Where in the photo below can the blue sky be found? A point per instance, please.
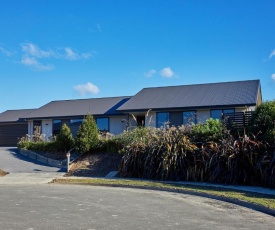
(70, 49)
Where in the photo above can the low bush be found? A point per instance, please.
(211, 130)
(37, 146)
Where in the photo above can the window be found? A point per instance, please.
(189, 117)
(56, 126)
(217, 113)
(37, 127)
(162, 119)
(103, 124)
(76, 121)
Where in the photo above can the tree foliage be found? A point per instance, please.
(263, 121)
(87, 135)
(64, 140)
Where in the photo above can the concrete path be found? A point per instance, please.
(23, 170)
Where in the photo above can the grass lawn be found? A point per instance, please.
(255, 198)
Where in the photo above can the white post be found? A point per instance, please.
(68, 161)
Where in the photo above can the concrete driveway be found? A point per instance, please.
(23, 170)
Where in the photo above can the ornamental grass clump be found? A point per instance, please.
(157, 155)
(169, 154)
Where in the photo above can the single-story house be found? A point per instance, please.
(192, 103)
(49, 118)
(156, 106)
(12, 126)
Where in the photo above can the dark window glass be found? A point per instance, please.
(189, 117)
(162, 119)
(37, 127)
(76, 121)
(56, 126)
(228, 111)
(217, 113)
(103, 124)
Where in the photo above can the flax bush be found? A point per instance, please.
(170, 154)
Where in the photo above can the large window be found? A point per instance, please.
(56, 126)
(103, 124)
(162, 119)
(217, 113)
(37, 127)
(189, 117)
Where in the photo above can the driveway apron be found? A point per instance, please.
(23, 170)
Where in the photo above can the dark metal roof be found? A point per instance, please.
(14, 115)
(81, 107)
(238, 93)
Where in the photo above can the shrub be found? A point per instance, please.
(263, 121)
(64, 140)
(211, 130)
(87, 135)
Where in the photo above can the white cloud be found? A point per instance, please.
(272, 54)
(166, 72)
(33, 55)
(87, 88)
(6, 52)
(32, 50)
(273, 76)
(34, 64)
(72, 55)
(150, 73)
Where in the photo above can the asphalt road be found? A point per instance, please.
(87, 207)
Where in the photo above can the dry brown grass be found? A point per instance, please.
(3, 173)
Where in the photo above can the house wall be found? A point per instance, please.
(30, 128)
(116, 126)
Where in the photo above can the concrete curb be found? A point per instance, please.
(51, 162)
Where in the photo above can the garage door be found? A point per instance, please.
(10, 133)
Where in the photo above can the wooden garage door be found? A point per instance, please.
(9, 133)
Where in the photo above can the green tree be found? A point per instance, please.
(263, 121)
(64, 140)
(87, 135)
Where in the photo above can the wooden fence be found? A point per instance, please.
(238, 120)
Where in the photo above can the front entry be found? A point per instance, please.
(141, 120)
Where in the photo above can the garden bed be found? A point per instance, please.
(95, 165)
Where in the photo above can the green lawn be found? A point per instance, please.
(255, 198)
